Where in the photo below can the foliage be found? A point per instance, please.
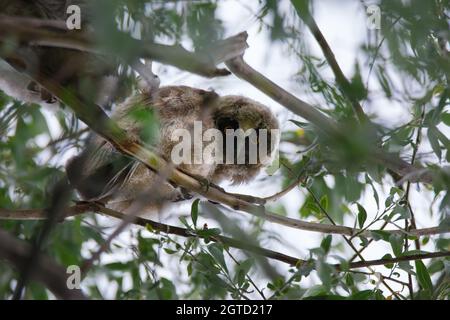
(405, 63)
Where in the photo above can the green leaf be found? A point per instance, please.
(324, 202)
(396, 190)
(278, 208)
(242, 270)
(37, 291)
(194, 211)
(414, 252)
(216, 251)
(349, 280)
(380, 235)
(39, 124)
(445, 117)
(438, 89)
(406, 266)
(357, 88)
(402, 211)
(274, 166)
(445, 223)
(326, 243)
(442, 138)
(324, 271)
(388, 201)
(384, 82)
(206, 233)
(299, 124)
(375, 193)
(184, 222)
(388, 265)
(362, 295)
(170, 251)
(434, 142)
(326, 297)
(167, 289)
(396, 241)
(310, 208)
(316, 290)
(362, 215)
(117, 266)
(364, 241)
(423, 276)
(189, 268)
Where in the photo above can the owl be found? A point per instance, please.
(102, 174)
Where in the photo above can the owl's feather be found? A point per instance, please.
(118, 180)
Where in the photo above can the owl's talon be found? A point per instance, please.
(182, 194)
(33, 87)
(186, 194)
(204, 184)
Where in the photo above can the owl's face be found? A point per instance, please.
(237, 112)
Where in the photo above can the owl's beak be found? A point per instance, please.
(246, 125)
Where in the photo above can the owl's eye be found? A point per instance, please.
(227, 123)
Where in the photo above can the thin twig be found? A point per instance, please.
(261, 293)
(165, 228)
(349, 242)
(258, 211)
(406, 198)
(202, 63)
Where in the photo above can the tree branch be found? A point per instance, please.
(288, 100)
(39, 214)
(51, 34)
(413, 257)
(183, 232)
(45, 270)
(168, 229)
(33, 214)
